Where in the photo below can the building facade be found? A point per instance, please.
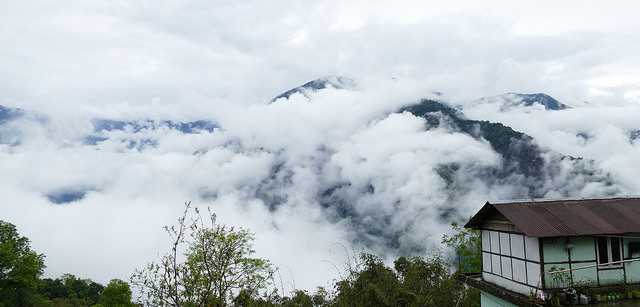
(534, 250)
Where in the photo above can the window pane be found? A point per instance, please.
(603, 256)
(505, 244)
(486, 246)
(615, 249)
(495, 242)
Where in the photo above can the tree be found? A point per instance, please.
(466, 243)
(116, 294)
(300, 298)
(427, 282)
(69, 290)
(82, 289)
(321, 297)
(207, 264)
(20, 268)
(413, 281)
(53, 288)
(370, 283)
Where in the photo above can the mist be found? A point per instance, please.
(316, 176)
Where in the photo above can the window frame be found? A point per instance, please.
(609, 253)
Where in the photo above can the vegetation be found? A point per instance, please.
(210, 264)
(207, 264)
(21, 284)
(20, 267)
(116, 294)
(467, 245)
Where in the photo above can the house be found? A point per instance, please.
(548, 252)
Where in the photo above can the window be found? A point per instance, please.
(603, 253)
(634, 249)
(609, 250)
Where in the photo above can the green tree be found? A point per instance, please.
(84, 289)
(53, 288)
(300, 298)
(217, 263)
(20, 268)
(427, 282)
(369, 283)
(466, 243)
(321, 297)
(116, 294)
(69, 290)
(413, 281)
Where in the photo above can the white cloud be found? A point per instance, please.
(225, 60)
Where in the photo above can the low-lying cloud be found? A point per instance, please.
(314, 176)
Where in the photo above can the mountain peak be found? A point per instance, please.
(335, 82)
(543, 99)
(510, 100)
(7, 114)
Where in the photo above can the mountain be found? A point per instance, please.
(137, 134)
(9, 135)
(65, 196)
(102, 125)
(357, 186)
(521, 154)
(525, 170)
(336, 82)
(510, 100)
(634, 135)
(103, 129)
(8, 114)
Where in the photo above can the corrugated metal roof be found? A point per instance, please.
(555, 218)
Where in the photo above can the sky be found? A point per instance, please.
(224, 60)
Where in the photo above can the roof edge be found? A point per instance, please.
(475, 220)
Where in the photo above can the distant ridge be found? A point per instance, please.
(510, 100)
(8, 114)
(337, 82)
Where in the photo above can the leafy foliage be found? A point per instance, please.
(70, 291)
(467, 244)
(211, 264)
(116, 294)
(413, 281)
(217, 262)
(21, 285)
(20, 267)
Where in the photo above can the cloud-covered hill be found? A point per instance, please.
(381, 166)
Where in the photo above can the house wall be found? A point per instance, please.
(583, 254)
(632, 269)
(557, 257)
(511, 260)
(488, 300)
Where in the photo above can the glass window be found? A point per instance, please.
(609, 250)
(603, 253)
(615, 250)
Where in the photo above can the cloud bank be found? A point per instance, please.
(310, 174)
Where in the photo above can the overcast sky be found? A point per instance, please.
(224, 60)
(124, 55)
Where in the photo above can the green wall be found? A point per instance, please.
(488, 300)
(583, 254)
(611, 277)
(553, 250)
(633, 272)
(585, 276)
(558, 280)
(583, 249)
